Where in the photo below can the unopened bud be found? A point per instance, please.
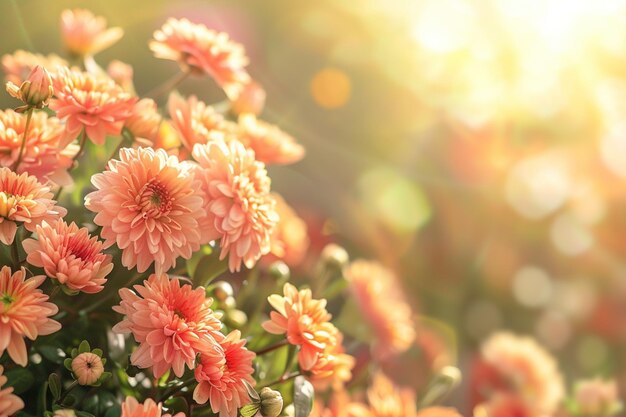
(35, 91)
(251, 100)
(222, 290)
(88, 368)
(335, 256)
(235, 319)
(228, 303)
(271, 402)
(279, 271)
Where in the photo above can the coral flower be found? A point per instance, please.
(239, 206)
(221, 379)
(438, 412)
(122, 74)
(132, 408)
(171, 323)
(333, 367)
(522, 367)
(43, 156)
(24, 312)
(376, 289)
(70, 255)
(147, 204)
(24, 200)
(304, 320)
(387, 400)
(596, 397)
(17, 66)
(270, 144)
(9, 402)
(290, 239)
(339, 405)
(144, 120)
(88, 368)
(201, 50)
(507, 405)
(95, 104)
(86, 34)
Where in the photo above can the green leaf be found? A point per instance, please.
(54, 383)
(176, 405)
(251, 391)
(84, 414)
(249, 410)
(52, 353)
(192, 263)
(114, 411)
(209, 268)
(84, 347)
(21, 379)
(303, 393)
(98, 352)
(68, 364)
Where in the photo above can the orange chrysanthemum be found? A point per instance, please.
(305, 322)
(133, 408)
(144, 120)
(26, 201)
(9, 402)
(333, 367)
(43, 156)
(290, 239)
(387, 400)
(24, 312)
(270, 144)
(375, 289)
(339, 405)
(507, 405)
(122, 74)
(240, 210)
(201, 50)
(86, 34)
(70, 255)
(18, 65)
(95, 104)
(171, 323)
(221, 378)
(147, 203)
(438, 412)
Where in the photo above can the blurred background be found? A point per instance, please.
(478, 148)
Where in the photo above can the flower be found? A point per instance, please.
(171, 323)
(518, 365)
(222, 379)
(144, 119)
(334, 366)
(43, 155)
(595, 397)
(35, 91)
(70, 255)
(507, 405)
(387, 400)
(270, 144)
(132, 408)
(251, 100)
(146, 203)
(376, 289)
(240, 209)
(17, 66)
(304, 320)
(88, 368)
(9, 402)
(290, 239)
(86, 34)
(201, 50)
(24, 200)
(339, 405)
(24, 312)
(122, 74)
(95, 104)
(438, 412)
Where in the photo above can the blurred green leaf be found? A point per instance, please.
(52, 353)
(21, 379)
(176, 405)
(114, 411)
(303, 393)
(54, 383)
(192, 263)
(84, 347)
(209, 268)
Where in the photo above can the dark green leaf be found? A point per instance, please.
(68, 364)
(84, 347)
(54, 383)
(176, 405)
(302, 396)
(21, 379)
(84, 414)
(114, 411)
(192, 263)
(98, 352)
(52, 353)
(209, 268)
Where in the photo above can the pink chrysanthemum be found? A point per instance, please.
(18, 65)
(238, 201)
(122, 74)
(133, 408)
(24, 312)
(147, 203)
(270, 144)
(201, 50)
(597, 397)
(86, 101)
(508, 405)
(70, 255)
(43, 157)
(171, 323)
(221, 378)
(9, 402)
(86, 34)
(24, 200)
(290, 239)
(375, 289)
(304, 321)
(144, 120)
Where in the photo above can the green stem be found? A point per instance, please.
(284, 378)
(66, 392)
(20, 155)
(168, 85)
(15, 254)
(271, 348)
(83, 143)
(173, 390)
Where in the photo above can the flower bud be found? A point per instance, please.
(222, 290)
(35, 91)
(251, 100)
(235, 319)
(68, 412)
(334, 256)
(88, 368)
(279, 271)
(271, 402)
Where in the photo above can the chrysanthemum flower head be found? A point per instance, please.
(122, 74)
(43, 156)
(339, 405)
(9, 402)
(290, 239)
(221, 378)
(24, 312)
(376, 289)
(237, 197)
(438, 412)
(90, 102)
(146, 203)
(507, 405)
(333, 367)
(88, 368)
(26, 201)
(305, 322)
(144, 120)
(86, 34)
(270, 144)
(133, 408)
(597, 397)
(387, 400)
(171, 323)
(201, 50)
(18, 65)
(251, 100)
(70, 255)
